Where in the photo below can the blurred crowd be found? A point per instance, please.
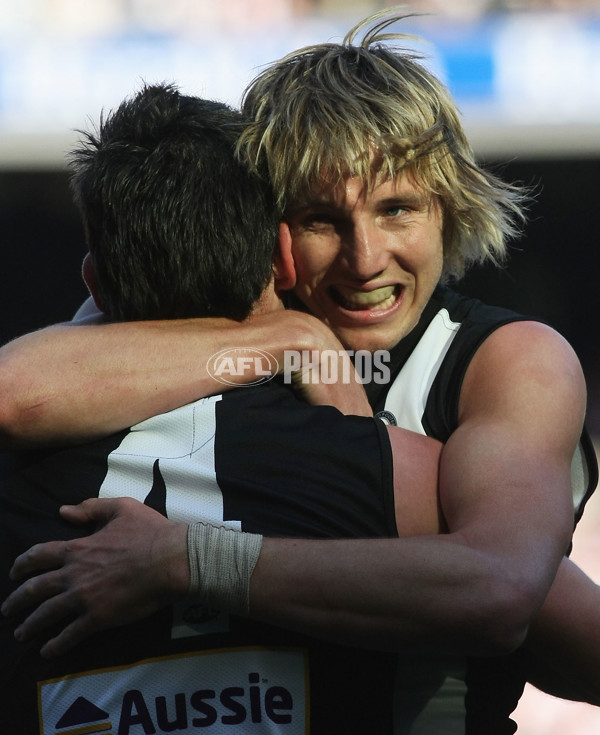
(114, 16)
(478, 8)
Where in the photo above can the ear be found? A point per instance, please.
(88, 271)
(283, 265)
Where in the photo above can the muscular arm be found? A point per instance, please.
(505, 493)
(76, 382)
(79, 382)
(144, 561)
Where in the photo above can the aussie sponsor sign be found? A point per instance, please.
(242, 690)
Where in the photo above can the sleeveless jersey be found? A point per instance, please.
(455, 695)
(187, 669)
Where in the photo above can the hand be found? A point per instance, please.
(132, 566)
(329, 379)
(318, 366)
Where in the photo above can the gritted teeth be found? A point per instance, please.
(379, 298)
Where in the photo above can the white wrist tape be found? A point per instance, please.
(221, 563)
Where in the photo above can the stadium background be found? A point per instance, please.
(526, 76)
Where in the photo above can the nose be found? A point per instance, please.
(365, 252)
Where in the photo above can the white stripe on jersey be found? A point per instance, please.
(183, 442)
(407, 397)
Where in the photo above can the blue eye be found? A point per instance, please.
(395, 210)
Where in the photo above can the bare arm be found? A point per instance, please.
(138, 560)
(505, 494)
(564, 638)
(474, 589)
(143, 558)
(76, 382)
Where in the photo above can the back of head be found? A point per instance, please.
(363, 108)
(176, 225)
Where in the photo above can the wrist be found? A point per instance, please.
(171, 551)
(220, 562)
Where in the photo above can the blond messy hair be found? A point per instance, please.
(367, 109)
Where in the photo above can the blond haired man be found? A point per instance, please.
(385, 203)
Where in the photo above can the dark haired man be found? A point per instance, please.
(157, 187)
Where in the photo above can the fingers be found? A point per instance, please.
(92, 509)
(50, 613)
(54, 605)
(48, 555)
(72, 594)
(33, 592)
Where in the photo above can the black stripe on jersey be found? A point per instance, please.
(286, 468)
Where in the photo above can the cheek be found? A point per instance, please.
(310, 262)
(431, 256)
(433, 271)
(438, 262)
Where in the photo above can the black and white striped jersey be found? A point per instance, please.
(257, 459)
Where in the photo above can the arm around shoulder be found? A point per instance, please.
(77, 382)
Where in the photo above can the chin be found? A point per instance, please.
(365, 339)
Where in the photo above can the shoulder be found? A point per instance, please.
(459, 328)
(526, 345)
(524, 364)
(476, 322)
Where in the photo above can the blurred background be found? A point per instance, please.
(525, 74)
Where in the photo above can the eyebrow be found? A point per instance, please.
(311, 204)
(416, 199)
(408, 198)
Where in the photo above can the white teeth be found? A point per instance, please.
(380, 298)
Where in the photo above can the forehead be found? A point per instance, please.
(352, 191)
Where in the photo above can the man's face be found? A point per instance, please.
(367, 261)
